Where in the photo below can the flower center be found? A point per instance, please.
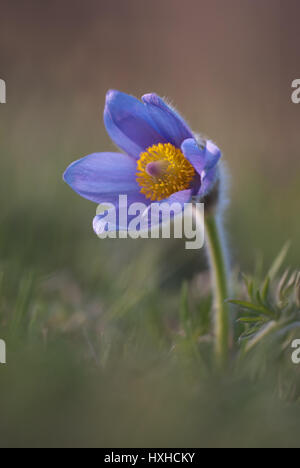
(163, 170)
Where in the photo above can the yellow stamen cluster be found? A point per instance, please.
(175, 172)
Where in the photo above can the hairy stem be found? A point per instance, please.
(219, 273)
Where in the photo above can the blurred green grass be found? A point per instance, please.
(98, 353)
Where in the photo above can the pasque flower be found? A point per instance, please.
(162, 160)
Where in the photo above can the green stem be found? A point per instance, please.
(218, 265)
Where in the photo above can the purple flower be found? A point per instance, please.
(162, 159)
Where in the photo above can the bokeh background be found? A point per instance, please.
(78, 302)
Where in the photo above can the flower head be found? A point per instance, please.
(163, 170)
(162, 159)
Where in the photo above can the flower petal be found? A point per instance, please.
(194, 154)
(182, 197)
(202, 158)
(116, 218)
(213, 154)
(177, 199)
(208, 180)
(129, 124)
(170, 124)
(102, 177)
(111, 221)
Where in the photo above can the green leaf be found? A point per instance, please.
(249, 285)
(251, 319)
(281, 284)
(265, 289)
(248, 334)
(253, 307)
(278, 261)
(259, 298)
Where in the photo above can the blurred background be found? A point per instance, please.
(89, 323)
